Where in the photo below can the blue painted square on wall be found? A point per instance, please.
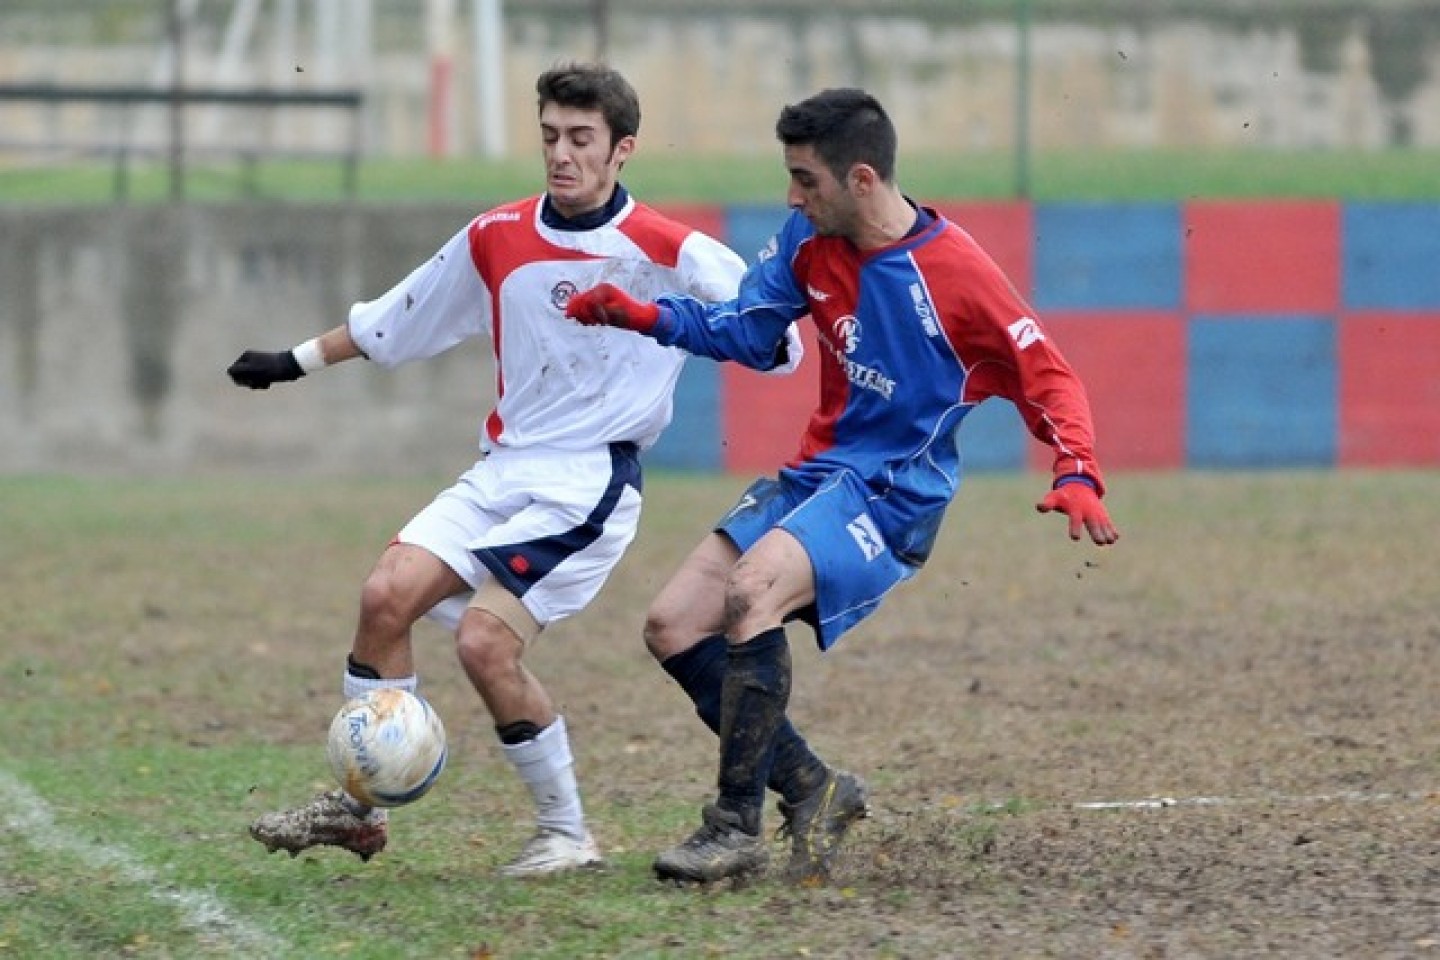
(993, 438)
(1262, 392)
(1107, 255)
(692, 441)
(749, 227)
(1391, 256)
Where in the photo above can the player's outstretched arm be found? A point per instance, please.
(258, 369)
(1076, 497)
(608, 305)
(748, 330)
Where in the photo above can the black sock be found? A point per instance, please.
(753, 701)
(796, 771)
(361, 670)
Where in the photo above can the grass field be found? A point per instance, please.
(661, 176)
(1261, 649)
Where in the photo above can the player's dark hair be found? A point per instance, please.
(845, 126)
(593, 86)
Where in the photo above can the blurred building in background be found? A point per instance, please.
(1211, 333)
(455, 77)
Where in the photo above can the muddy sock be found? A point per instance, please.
(796, 771)
(753, 700)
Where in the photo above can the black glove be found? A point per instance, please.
(258, 369)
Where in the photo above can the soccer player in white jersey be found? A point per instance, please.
(529, 534)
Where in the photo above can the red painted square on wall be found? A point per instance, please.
(1133, 365)
(763, 415)
(1005, 229)
(1389, 389)
(1262, 256)
(708, 218)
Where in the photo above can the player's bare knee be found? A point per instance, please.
(381, 605)
(738, 604)
(662, 635)
(487, 648)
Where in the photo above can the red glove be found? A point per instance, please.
(608, 305)
(1079, 501)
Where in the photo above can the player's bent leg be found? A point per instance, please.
(330, 819)
(405, 582)
(533, 737)
(491, 653)
(694, 600)
(700, 671)
(691, 605)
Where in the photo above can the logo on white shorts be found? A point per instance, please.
(867, 538)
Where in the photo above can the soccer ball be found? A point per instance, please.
(387, 747)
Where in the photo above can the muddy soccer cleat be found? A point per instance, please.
(550, 851)
(327, 820)
(721, 848)
(817, 824)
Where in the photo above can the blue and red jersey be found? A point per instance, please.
(912, 336)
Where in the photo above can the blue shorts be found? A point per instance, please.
(854, 567)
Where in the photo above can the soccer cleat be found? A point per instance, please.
(552, 852)
(817, 824)
(721, 848)
(326, 820)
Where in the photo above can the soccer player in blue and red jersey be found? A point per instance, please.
(916, 326)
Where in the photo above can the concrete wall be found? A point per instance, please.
(116, 328)
(1210, 334)
(713, 79)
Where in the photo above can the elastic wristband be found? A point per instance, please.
(663, 329)
(309, 356)
(1075, 478)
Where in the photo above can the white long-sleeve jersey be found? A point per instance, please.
(508, 275)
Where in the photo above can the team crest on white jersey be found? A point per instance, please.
(1026, 332)
(561, 293)
(847, 332)
(867, 537)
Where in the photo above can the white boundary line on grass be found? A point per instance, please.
(29, 817)
(1164, 803)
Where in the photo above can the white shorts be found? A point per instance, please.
(548, 526)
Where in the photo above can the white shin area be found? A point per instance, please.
(547, 768)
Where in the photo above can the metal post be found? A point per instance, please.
(122, 157)
(439, 43)
(1022, 100)
(601, 12)
(489, 25)
(176, 29)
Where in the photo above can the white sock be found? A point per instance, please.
(547, 768)
(357, 686)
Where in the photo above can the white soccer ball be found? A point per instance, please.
(387, 747)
